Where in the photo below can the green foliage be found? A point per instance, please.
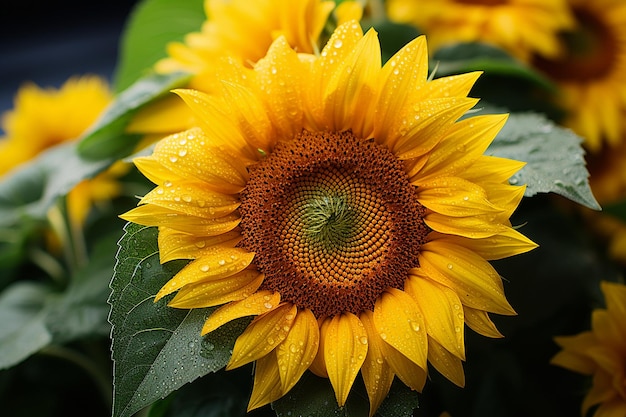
(554, 156)
(107, 137)
(36, 315)
(150, 27)
(314, 397)
(156, 349)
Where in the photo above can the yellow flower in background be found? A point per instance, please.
(346, 207)
(521, 27)
(42, 118)
(243, 31)
(591, 73)
(601, 352)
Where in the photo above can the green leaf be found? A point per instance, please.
(82, 310)
(156, 349)
(22, 328)
(314, 397)
(222, 394)
(32, 189)
(554, 156)
(150, 27)
(465, 57)
(107, 138)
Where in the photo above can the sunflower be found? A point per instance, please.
(42, 118)
(591, 73)
(242, 31)
(346, 207)
(601, 352)
(521, 27)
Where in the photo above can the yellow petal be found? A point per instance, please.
(352, 88)
(341, 43)
(443, 313)
(214, 115)
(149, 215)
(296, 353)
(192, 198)
(345, 348)
(165, 116)
(615, 297)
(318, 366)
(400, 323)
(480, 322)
(492, 169)
(403, 72)
(421, 132)
(474, 279)
(251, 116)
(475, 227)
(154, 171)
(266, 382)
(446, 363)
(412, 375)
(377, 374)
(502, 245)
(280, 76)
(258, 303)
(178, 245)
(188, 154)
(465, 142)
(262, 335)
(216, 265)
(456, 197)
(574, 362)
(216, 292)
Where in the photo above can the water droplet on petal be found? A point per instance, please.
(173, 158)
(450, 266)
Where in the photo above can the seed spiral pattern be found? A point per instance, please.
(333, 221)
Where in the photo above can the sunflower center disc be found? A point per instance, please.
(333, 221)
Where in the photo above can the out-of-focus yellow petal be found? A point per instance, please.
(377, 374)
(216, 265)
(262, 335)
(258, 303)
(400, 323)
(297, 351)
(345, 349)
(164, 116)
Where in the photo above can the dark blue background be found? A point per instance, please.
(49, 41)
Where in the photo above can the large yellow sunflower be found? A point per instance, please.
(42, 118)
(522, 27)
(243, 31)
(592, 72)
(601, 352)
(346, 207)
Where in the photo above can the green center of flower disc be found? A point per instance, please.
(590, 51)
(333, 221)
